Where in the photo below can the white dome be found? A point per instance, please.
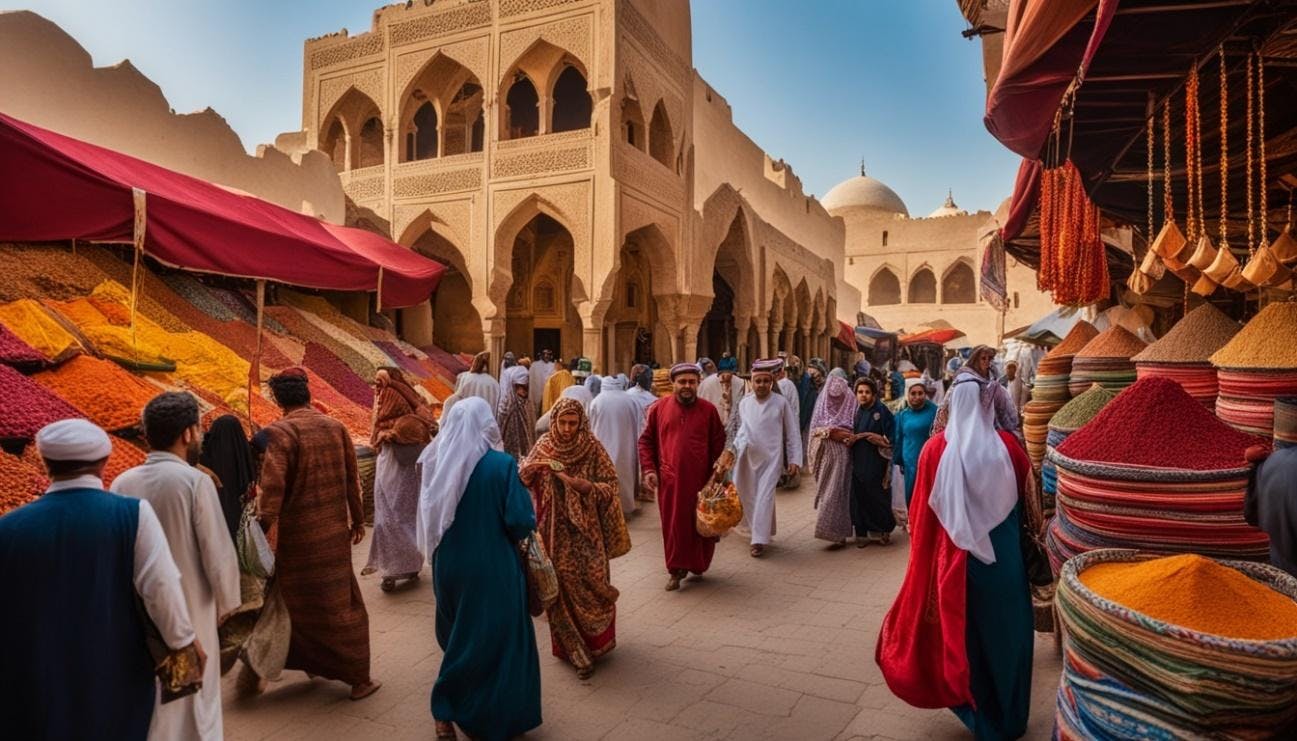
(863, 191)
(948, 208)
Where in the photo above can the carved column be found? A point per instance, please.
(346, 151)
(544, 107)
(691, 341)
(763, 338)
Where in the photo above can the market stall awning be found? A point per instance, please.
(932, 337)
(846, 336)
(54, 187)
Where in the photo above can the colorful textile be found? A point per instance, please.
(581, 532)
(310, 492)
(768, 365)
(489, 682)
(681, 443)
(1285, 422)
(517, 422)
(554, 387)
(830, 463)
(400, 414)
(679, 368)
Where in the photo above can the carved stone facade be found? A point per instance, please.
(553, 154)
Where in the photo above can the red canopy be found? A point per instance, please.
(54, 187)
(846, 335)
(933, 336)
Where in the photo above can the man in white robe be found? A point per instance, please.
(714, 389)
(541, 370)
(616, 420)
(787, 389)
(510, 360)
(765, 435)
(641, 378)
(189, 510)
(477, 381)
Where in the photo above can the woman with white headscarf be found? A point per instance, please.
(473, 510)
(960, 632)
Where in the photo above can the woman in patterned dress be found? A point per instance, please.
(830, 460)
(574, 487)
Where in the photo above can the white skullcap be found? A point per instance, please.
(73, 440)
(912, 382)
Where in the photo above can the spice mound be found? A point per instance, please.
(1115, 342)
(111, 397)
(1156, 423)
(15, 352)
(1193, 339)
(20, 482)
(1268, 341)
(25, 406)
(1081, 409)
(1197, 593)
(1079, 336)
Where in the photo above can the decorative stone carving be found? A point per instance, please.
(638, 171)
(359, 47)
(572, 35)
(569, 201)
(548, 140)
(369, 82)
(471, 53)
(643, 33)
(441, 23)
(438, 164)
(364, 189)
(543, 160)
(452, 217)
(449, 181)
(510, 8)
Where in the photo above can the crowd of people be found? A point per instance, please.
(221, 547)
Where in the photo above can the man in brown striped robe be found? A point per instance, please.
(310, 501)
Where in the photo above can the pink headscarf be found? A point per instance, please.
(836, 405)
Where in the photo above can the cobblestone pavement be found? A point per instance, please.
(774, 648)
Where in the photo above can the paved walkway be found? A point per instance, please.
(773, 648)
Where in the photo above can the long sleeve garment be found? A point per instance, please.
(481, 385)
(190, 513)
(788, 390)
(871, 500)
(75, 561)
(311, 490)
(913, 428)
(616, 420)
(681, 443)
(489, 682)
(538, 374)
(713, 389)
(767, 436)
(1271, 504)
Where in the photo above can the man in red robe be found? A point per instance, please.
(682, 439)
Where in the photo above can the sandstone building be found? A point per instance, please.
(587, 186)
(914, 270)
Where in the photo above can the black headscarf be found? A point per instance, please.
(226, 452)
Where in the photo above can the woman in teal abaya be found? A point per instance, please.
(473, 511)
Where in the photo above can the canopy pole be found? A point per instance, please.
(380, 289)
(254, 371)
(141, 219)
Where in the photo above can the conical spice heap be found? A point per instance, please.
(1257, 366)
(1184, 353)
(1050, 390)
(1106, 360)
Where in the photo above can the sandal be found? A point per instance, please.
(361, 691)
(585, 672)
(836, 546)
(757, 551)
(673, 583)
(861, 542)
(388, 584)
(445, 730)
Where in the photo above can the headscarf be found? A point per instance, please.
(818, 364)
(975, 487)
(467, 432)
(594, 384)
(644, 379)
(399, 409)
(227, 453)
(479, 362)
(728, 363)
(613, 383)
(573, 451)
(516, 419)
(517, 375)
(836, 405)
(840, 373)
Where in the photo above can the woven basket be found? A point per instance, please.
(1126, 670)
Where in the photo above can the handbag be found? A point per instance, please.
(255, 556)
(179, 672)
(542, 581)
(719, 507)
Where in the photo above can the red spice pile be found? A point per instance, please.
(25, 406)
(20, 482)
(15, 352)
(337, 374)
(1156, 423)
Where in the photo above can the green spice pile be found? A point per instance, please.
(1081, 409)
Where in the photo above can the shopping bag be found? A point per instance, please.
(255, 556)
(719, 508)
(266, 649)
(542, 582)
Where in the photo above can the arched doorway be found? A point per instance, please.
(538, 306)
(958, 286)
(884, 288)
(923, 287)
(352, 132)
(731, 289)
(572, 104)
(456, 325)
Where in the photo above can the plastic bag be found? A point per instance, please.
(719, 508)
(255, 556)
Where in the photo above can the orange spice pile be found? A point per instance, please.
(1197, 593)
(103, 391)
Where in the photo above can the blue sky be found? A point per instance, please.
(820, 83)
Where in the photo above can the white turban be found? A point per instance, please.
(73, 440)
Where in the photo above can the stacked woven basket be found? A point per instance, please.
(1184, 353)
(1256, 367)
(1153, 470)
(1106, 360)
(1050, 391)
(1074, 415)
(1129, 675)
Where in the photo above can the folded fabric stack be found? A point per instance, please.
(1154, 470)
(1127, 674)
(1050, 392)
(1256, 367)
(1184, 353)
(1074, 415)
(662, 382)
(1106, 360)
